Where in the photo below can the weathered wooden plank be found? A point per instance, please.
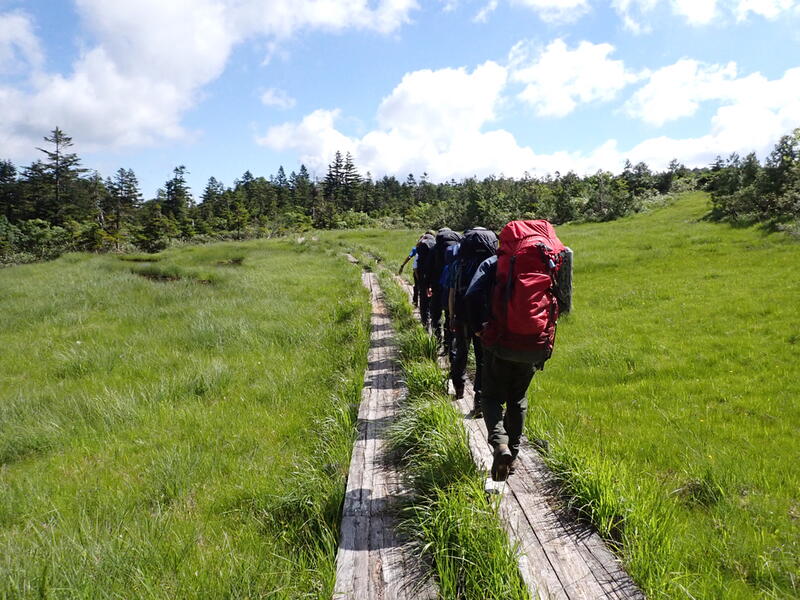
(372, 560)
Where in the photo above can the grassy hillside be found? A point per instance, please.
(671, 402)
(177, 425)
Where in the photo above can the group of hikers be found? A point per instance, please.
(502, 297)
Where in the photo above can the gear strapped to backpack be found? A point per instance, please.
(527, 298)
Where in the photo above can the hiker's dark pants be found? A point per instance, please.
(505, 383)
(416, 289)
(462, 337)
(437, 307)
(424, 303)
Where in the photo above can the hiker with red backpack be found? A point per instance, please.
(477, 245)
(513, 302)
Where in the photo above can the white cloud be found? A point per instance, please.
(769, 9)
(150, 61)
(439, 122)
(558, 79)
(19, 47)
(277, 98)
(483, 14)
(550, 11)
(696, 12)
(432, 121)
(677, 90)
(636, 13)
(563, 11)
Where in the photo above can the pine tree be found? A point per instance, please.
(177, 197)
(351, 184)
(282, 190)
(302, 190)
(334, 180)
(62, 169)
(8, 189)
(124, 199)
(212, 207)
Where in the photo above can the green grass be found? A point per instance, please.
(455, 524)
(179, 426)
(671, 402)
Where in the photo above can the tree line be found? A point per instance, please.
(745, 191)
(56, 204)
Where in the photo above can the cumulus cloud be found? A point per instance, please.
(432, 121)
(677, 90)
(440, 122)
(19, 47)
(437, 122)
(557, 79)
(151, 60)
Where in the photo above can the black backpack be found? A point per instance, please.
(425, 255)
(476, 246)
(445, 237)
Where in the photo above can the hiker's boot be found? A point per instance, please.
(512, 468)
(501, 462)
(477, 410)
(459, 392)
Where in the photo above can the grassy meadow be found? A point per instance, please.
(177, 425)
(671, 402)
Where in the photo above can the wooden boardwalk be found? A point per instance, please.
(373, 562)
(559, 557)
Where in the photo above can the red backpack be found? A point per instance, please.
(525, 304)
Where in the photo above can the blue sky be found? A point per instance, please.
(452, 87)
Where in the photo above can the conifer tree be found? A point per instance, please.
(178, 200)
(62, 168)
(8, 189)
(124, 199)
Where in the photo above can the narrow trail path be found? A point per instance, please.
(373, 562)
(560, 558)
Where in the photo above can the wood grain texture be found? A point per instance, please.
(373, 561)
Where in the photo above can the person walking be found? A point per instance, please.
(412, 254)
(513, 303)
(445, 237)
(424, 248)
(477, 245)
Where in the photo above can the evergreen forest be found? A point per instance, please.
(57, 204)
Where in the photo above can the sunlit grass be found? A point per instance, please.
(186, 435)
(450, 516)
(671, 401)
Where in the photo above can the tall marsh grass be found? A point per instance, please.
(182, 435)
